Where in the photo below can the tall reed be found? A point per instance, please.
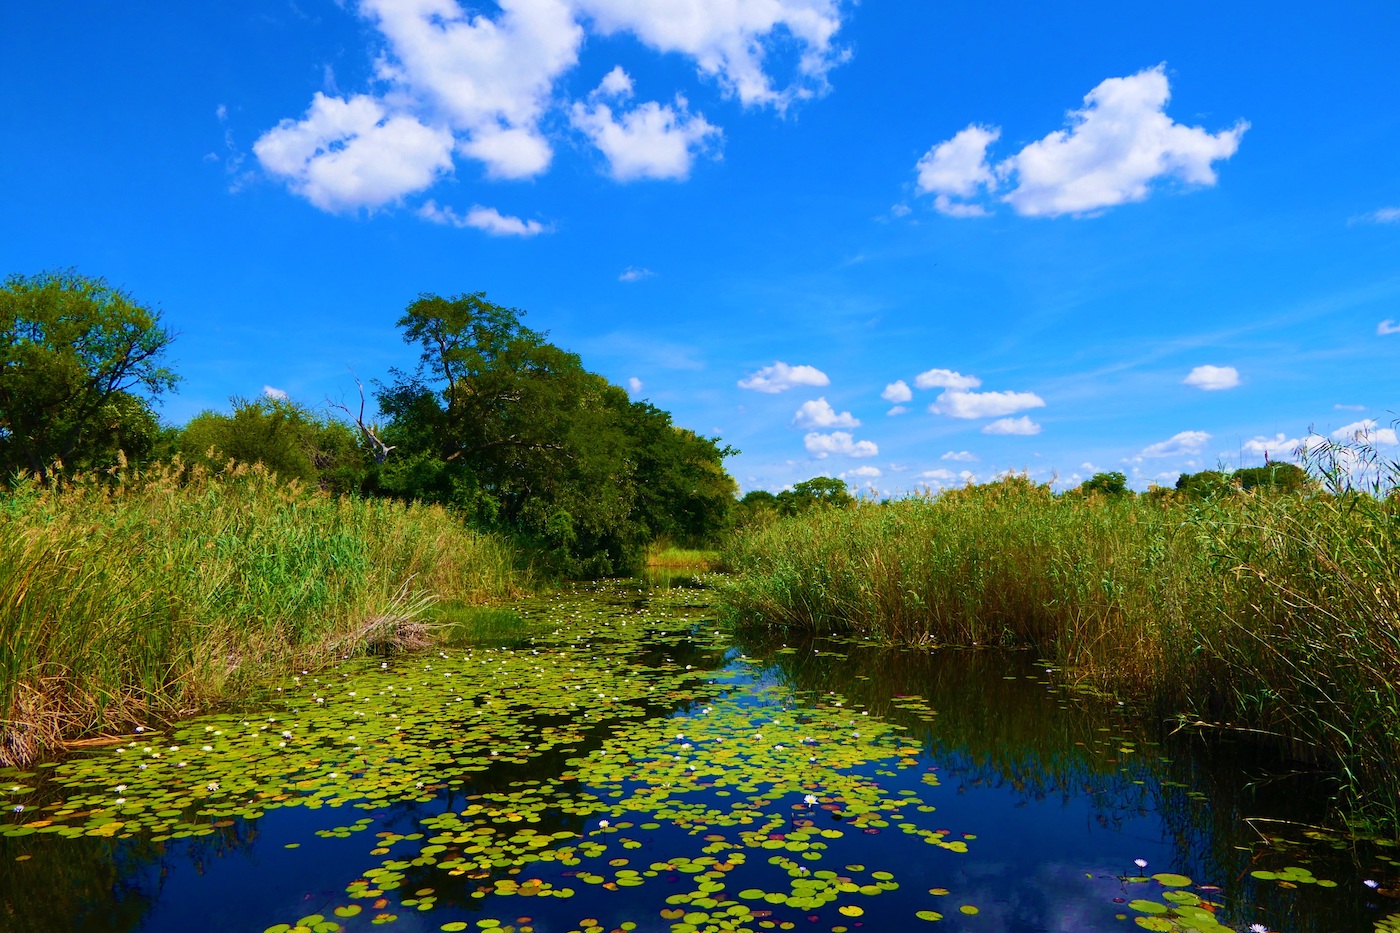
(125, 597)
(1258, 611)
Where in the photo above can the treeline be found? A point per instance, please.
(505, 429)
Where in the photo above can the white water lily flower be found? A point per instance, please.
(1371, 884)
(119, 801)
(603, 824)
(212, 785)
(19, 808)
(1140, 862)
(120, 788)
(810, 799)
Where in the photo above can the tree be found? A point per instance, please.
(513, 432)
(76, 358)
(819, 490)
(1284, 477)
(1108, 484)
(1206, 484)
(284, 436)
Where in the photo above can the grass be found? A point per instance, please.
(662, 555)
(129, 598)
(1267, 613)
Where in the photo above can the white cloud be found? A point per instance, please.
(348, 154)
(958, 168)
(1386, 215)
(956, 404)
(1112, 152)
(483, 84)
(1022, 425)
(1275, 448)
(1213, 377)
(897, 392)
(650, 140)
(1368, 430)
(483, 218)
(729, 40)
(820, 414)
(962, 456)
(946, 379)
(273, 392)
(635, 274)
(897, 410)
(1387, 327)
(838, 442)
(862, 472)
(937, 474)
(901, 210)
(780, 377)
(634, 385)
(1180, 444)
(1340, 407)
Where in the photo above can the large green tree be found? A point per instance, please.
(78, 360)
(501, 424)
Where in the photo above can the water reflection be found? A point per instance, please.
(732, 769)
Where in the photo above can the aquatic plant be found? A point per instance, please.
(129, 598)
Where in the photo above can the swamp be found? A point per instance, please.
(618, 759)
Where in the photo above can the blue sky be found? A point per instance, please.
(903, 243)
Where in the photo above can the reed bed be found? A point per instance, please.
(1275, 614)
(127, 598)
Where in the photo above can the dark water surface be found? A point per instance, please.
(636, 767)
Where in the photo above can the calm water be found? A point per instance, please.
(638, 768)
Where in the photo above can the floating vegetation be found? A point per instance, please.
(627, 767)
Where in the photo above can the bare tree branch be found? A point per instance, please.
(381, 449)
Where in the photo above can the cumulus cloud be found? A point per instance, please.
(1112, 152)
(275, 393)
(945, 379)
(780, 377)
(1387, 327)
(958, 168)
(962, 456)
(729, 41)
(483, 218)
(897, 392)
(483, 84)
(1022, 425)
(957, 404)
(1181, 444)
(820, 414)
(634, 385)
(862, 472)
(635, 274)
(1277, 447)
(348, 154)
(1212, 378)
(651, 140)
(1368, 431)
(897, 410)
(838, 442)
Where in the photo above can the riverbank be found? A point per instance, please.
(1274, 614)
(136, 599)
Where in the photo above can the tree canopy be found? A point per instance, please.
(78, 359)
(501, 424)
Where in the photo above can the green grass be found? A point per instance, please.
(127, 599)
(663, 555)
(1277, 614)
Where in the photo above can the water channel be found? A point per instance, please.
(633, 765)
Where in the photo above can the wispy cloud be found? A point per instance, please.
(487, 219)
(1387, 327)
(984, 404)
(1022, 426)
(961, 456)
(1183, 443)
(635, 274)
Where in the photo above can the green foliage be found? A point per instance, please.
(1285, 477)
(514, 433)
(1277, 611)
(75, 357)
(1205, 484)
(179, 588)
(819, 490)
(287, 438)
(1107, 484)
